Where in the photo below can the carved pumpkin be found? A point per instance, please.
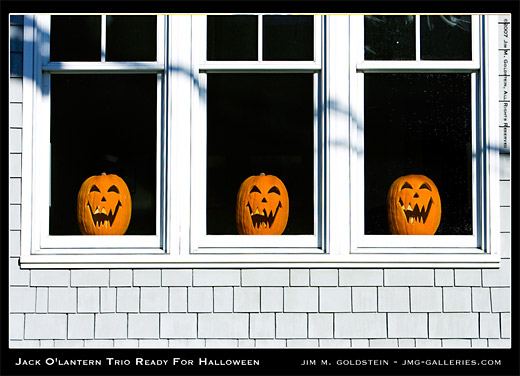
(104, 206)
(262, 206)
(413, 206)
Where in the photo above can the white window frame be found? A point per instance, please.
(183, 115)
(203, 243)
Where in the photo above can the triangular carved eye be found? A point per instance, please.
(406, 185)
(113, 189)
(255, 189)
(94, 189)
(425, 186)
(274, 190)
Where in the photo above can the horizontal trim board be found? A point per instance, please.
(260, 261)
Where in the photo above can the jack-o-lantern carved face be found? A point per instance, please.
(262, 206)
(413, 206)
(104, 206)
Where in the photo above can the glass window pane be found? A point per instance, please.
(131, 38)
(260, 123)
(103, 123)
(232, 38)
(75, 38)
(389, 38)
(419, 124)
(446, 37)
(288, 37)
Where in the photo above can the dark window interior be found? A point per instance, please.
(131, 38)
(389, 37)
(232, 38)
(75, 38)
(446, 37)
(260, 123)
(288, 37)
(419, 124)
(103, 123)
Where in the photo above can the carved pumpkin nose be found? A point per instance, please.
(103, 199)
(264, 200)
(416, 195)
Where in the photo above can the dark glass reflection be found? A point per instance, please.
(389, 37)
(103, 123)
(446, 37)
(288, 37)
(75, 38)
(131, 38)
(232, 38)
(260, 123)
(419, 124)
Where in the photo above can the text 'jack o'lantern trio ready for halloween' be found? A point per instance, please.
(104, 206)
(262, 206)
(413, 206)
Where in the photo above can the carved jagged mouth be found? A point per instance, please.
(101, 218)
(262, 219)
(416, 215)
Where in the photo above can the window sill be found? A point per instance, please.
(153, 261)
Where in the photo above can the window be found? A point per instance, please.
(185, 108)
(259, 107)
(418, 80)
(102, 90)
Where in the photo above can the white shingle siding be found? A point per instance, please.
(453, 325)
(246, 299)
(154, 299)
(178, 299)
(143, 325)
(335, 299)
(271, 299)
(111, 325)
(364, 299)
(200, 299)
(360, 325)
(80, 326)
(45, 326)
(265, 277)
(321, 325)
(262, 325)
(218, 277)
(300, 299)
(300, 277)
(426, 299)
(223, 325)
(88, 300)
(268, 307)
(291, 325)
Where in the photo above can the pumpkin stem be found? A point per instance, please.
(103, 173)
(262, 174)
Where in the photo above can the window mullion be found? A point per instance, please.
(103, 37)
(417, 38)
(260, 38)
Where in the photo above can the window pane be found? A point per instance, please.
(103, 123)
(260, 123)
(75, 38)
(232, 38)
(419, 124)
(288, 37)
(446, 37)
(131, 38)
(389, 38)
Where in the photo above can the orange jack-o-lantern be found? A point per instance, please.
(104, 206)
(413, 206)
(262, 206)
